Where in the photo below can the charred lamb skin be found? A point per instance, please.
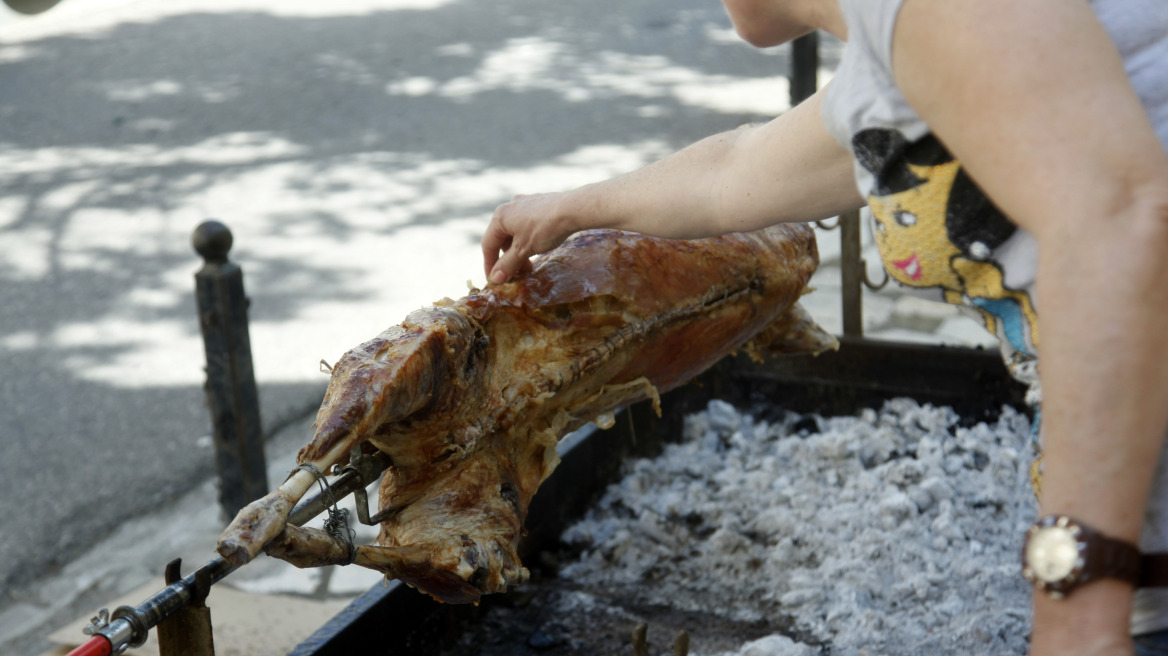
(469, 397)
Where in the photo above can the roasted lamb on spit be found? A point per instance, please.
(468, 398)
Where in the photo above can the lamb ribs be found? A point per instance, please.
(468, 398)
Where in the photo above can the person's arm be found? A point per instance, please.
(789, 169)
(1033, 99)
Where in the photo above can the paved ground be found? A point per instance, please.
(356, 148)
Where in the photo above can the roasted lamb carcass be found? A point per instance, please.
(468, 398)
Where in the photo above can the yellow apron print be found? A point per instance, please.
(935, 229)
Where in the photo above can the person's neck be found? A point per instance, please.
(824, 15)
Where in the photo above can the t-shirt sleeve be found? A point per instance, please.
(871, 23)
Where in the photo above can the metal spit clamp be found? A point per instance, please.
(97, 623)
(123, 629)
(135, 630)
(368, 468)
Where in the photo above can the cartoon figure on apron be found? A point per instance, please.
(935, 229)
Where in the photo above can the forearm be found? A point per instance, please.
(1104, 307)
(790, 169)
(1104, 323)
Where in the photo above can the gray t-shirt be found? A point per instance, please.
(936, 231)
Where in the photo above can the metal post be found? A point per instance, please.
(187, 631)
(851, 274)
(804, 67)
(231, 388)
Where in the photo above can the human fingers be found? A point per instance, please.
(512, 261)
(510, 239)
(496, 238)
(527, 225)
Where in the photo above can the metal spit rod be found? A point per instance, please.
(128, 626)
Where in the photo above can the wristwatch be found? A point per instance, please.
(1061, 554)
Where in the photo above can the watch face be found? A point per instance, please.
(1052, 553)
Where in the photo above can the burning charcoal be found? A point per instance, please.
(722, 417)
(542, 641)
(860, 558)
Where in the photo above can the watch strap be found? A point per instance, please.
(1110, 558)
(1154, 570)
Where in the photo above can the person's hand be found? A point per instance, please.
(521, 228)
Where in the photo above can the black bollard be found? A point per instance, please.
(230, 387)
(852, 274)
(804, 67)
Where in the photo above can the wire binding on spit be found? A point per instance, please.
(337, 524)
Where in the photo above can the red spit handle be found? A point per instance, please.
(98, 645)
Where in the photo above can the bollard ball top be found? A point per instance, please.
(212, 240)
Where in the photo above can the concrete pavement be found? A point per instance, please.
(356, 148)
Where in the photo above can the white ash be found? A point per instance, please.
(895, 532)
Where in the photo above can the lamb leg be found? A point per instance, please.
(263, 519)
(481, 565)
(307, 547)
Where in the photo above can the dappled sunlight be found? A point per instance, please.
(311, 8)
(87, 345)
(137, 91)
(346, 69)
(10, 210)
(26, 255)
(83, 161)
(94, 17)
(395, 231)
(97, 238)
(15, 53)
(722, 34)
(23, 340)
(579, 75)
